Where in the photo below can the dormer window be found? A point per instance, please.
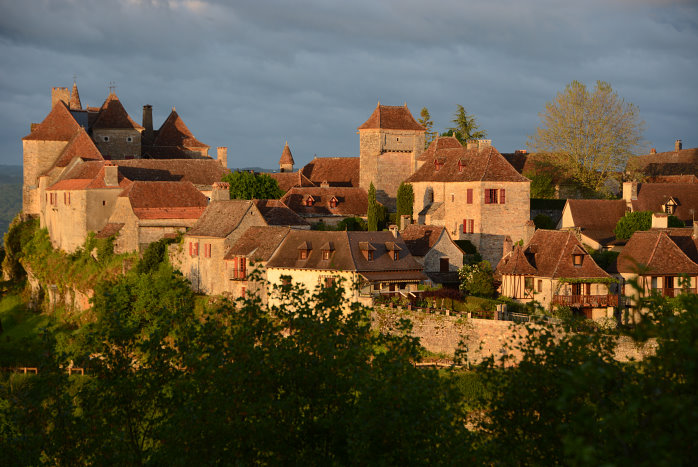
(367, 250)
(393, 250)
(396, 255)
(577, 260)
(670, 206)
(304, 250)
(326, 255)
(438, 164)
(327, 249)
(302, 254)
(460, 165)
(309, 201)
(370, 256)
(333, 202)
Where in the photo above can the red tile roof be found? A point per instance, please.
(258, 243)
(174, 132)
(75, 103)
(165, 200)
(439, 143)
(681, 162)
(81, 145)
(72, 184)
(275, 212)
(197, 171)
(288, 180)
(597, 218)
(109, 229)
(421, 238)
(653, 196)
(661, 251)
(112, 115)
(286, 156)
(673, 179)
(392, 118)
(351, 201)
(336, 171)
(221, 218)
(59, 125)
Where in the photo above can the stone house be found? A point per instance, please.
(433, 248)
(328, 205)
(115, 133)
(661, 260)
(594, 220)
(333, 171)
(680, 161)
(554, 269)
(474, 193)
(366, 263)
(677, 199)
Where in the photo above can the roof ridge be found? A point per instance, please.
(562, 252)
(654, 249)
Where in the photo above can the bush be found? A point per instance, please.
(477, 279)
(543, 222)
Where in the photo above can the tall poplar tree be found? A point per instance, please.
(426, 122)
(405, 201)
(372, 212)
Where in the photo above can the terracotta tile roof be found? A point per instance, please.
(467, 165)
(165, 200)
(71, 184)
(288, 180)
(653, 196)
(59, 125)
(382, 259)
(258, 243)
(112, 115)
(421, 238)
(286, 156)
(81, 145)
(174, 132)
(196, 171)
(683, 161)
(351, 201)
(87, 175)
(392, 118)
(75, 103)
(597, 217)
(336, 171)
(550, 254)
(275, 212)
(662, 251)
(109, 229)
(222, 217)
(439, 143)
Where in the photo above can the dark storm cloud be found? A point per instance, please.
(253, 74)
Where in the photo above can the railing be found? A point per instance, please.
(237, 275)
(593, 301)
(675, 291)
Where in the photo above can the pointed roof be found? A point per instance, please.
(258, 243)
(75, 103)
(389, 117)
(59, 125)
(661, 251)
(516, 264)
(336, 171)
(221, 218)
(82, 146)
(288, 180)
(113, 115)
(439, 143)
(174, 132)
(286, 156)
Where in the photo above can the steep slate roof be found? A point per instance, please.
(59, 125)
(422, 238)
(113, 115)
(288, 180)
(258, 243)
(652, 196)
(221, 218)
(597, 217)
(174, 132)
(336, 171)
(477, 165)
(197, 171)
(81, 145)
(286, 156)
(549, 253)
(351, 201)
(275, 212)
(683, 161)
(662, 251)
(390, 117)
(439, 143)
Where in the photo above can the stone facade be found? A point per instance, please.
(118, 143)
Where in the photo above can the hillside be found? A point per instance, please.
(10, 194)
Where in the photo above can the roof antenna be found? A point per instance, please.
(112, 86)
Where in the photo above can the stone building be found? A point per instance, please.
(433, 248)
(474, 193)
(333, 171)
(594, 219)
(389, 143)
(677, 199)
(328, 205)
(286, 162)
(554, 269)
(680, 161)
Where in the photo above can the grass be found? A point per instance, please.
(24, 331)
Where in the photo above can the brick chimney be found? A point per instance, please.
(660, 220)
(222, 154)
(507, 246)
(405, 220)
(111, 174)
(629, 191)
(653, 151)
(678, 145)
(393, 230)
(60, 94)
(220, 191)
(148, 135)
(529, 230)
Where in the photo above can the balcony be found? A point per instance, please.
(672, 292)
(237, 274)
(586, 301)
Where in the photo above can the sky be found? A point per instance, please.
(251, 75)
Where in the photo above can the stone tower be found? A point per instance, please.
(286, 162)
(389, 143)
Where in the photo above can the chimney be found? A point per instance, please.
(507, 246)
(520, 151)
(324, 184)
(472, 144)
(223, 156)
(653, 151)
(111, 174)
(148, 135)
(220, 191)
(629, 191)
(393, 229)
(660, 220)
(677, 145)
(695, 230)
(529, 230)
(484, 143)
(60, 94)
(405, 220)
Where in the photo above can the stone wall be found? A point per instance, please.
(115, 144)
(482, 337)
(38, 157)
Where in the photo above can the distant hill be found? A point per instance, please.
(10, 194)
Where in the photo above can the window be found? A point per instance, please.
(193, 249)
(333, 202)
(242, 291)
(309, 201)
(302, 254)
(577, 260)
(104, 203)
(502, 196)
(453, 197)
(491, 196)
(325, 254)
(66, 198)
(396, 255)
(460, 165)
(328, 282)
(443, 265)
(430, 195)
(540, 285)
(105, 139)
(528, 283)
(376, 286)
(468, 226)
(469, 195)
(370, 255)
(129, 139)
(207, 250)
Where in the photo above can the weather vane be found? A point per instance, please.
(112, 86)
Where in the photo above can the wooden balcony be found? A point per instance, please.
(586, 301)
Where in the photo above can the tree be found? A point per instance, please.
(405, 201)
(372, 211)
(425, 121)
(477, 279)
(249, 185)
(639, 220)
(465, 127)
(542, 185)
(543, 222)
(593, 133)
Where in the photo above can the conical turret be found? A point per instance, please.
(286, 162)
(75, 103)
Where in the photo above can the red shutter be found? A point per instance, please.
(472, 225)
(191, 250)
(243, 266)
(470, 195)
(487, 196)
(501, 196)
(196, 249)
(465, 225)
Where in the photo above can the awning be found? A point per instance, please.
(394, 276)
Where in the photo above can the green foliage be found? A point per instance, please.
(405, 200)
(465, 127)
(639, 220)
(352, 223)
(591, 132)
(542, 185)
(477, 279)
(428, 124)
(154, 256)
(19, 234)
(604, 258)
(372, 213)
(249, 185)
(543, 222)
(557, 204)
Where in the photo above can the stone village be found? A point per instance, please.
(95, 169)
